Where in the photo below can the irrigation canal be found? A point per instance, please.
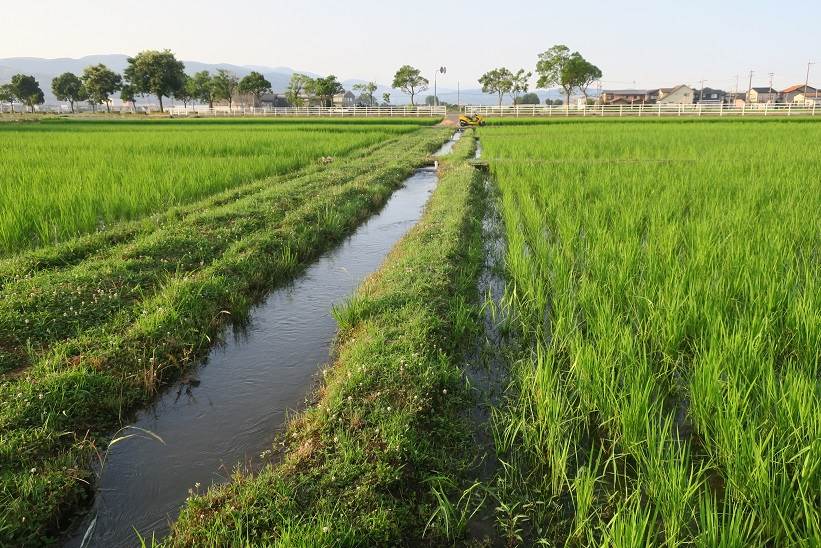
(228, 410)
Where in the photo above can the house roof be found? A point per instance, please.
(624, 91)
(797, 87)
(675, 88)
(764, 90)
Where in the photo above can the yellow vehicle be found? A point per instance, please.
(471, 120)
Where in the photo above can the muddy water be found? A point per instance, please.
(228, 410)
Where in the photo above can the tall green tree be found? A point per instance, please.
(521, 83)
(528, 99)
(185, 93)
(410, 80)
(7, 96)
(299, 86)
(366, 91)
(386, 98)
(156, 72)
(255, 85)
(558, 67)
(498, 81)
(202, 87)
(100, 83)
(587, 74)
(325, 89)
(68, 87)
(27, 90)
(129, 95)
(224, 85)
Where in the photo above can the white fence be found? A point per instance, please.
(341, 112)
(658, 110)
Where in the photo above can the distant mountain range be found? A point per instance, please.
(44, 70)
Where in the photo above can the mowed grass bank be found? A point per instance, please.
(361, 463)
(665, 279)
(60, 179)
(84, 341)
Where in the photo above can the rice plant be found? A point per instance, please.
(665, 279)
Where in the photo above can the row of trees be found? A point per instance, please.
(555, 67)
(151, 72)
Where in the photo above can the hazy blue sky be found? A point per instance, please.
(659, 43)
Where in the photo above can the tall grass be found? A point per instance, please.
(666, 279)
(59, 179)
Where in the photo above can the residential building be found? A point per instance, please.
(763, 95)
(677, 95)
(810, 98)
(788, 95)
(623, 96)
(346, 99)
(710, 96)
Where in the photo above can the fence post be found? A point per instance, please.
(744, 108)
(814, 103)
(789, 109)
(621, 111)
(766, 108)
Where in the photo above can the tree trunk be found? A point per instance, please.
(500, 99)
(71, 104)
(160, 98)
(108, 106)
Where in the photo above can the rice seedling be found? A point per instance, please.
(664, 279)
(62, 179)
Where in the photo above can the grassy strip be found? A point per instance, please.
(360, 464)
(56, 412)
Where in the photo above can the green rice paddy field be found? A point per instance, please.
(664, 279)
(63, 179)
(661, 357)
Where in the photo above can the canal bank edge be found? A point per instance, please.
(389, 415)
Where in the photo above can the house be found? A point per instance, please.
(710, 96)
(788, 95)
(763, 95)
(808, 99)
(623, 96)
(677, 95)
(346, 99)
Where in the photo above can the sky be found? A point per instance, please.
(653, 45)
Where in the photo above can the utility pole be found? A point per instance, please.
(807, 80)
(750, 86)
(458, 95)
(701, 97)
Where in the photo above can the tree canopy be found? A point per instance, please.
(202, 87)
(410, 80)
(298, 87)
(254, 84)
(527, 99)
(558, 67)
(325, 88)
(100, 83)
(27, 90)
(155, 72)
(367, 90)
(68, 87)
(498, 81)
(223, 85)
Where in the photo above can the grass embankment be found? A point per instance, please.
(388, 419)
(664, 277)
(60, 179)
(89, 332)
